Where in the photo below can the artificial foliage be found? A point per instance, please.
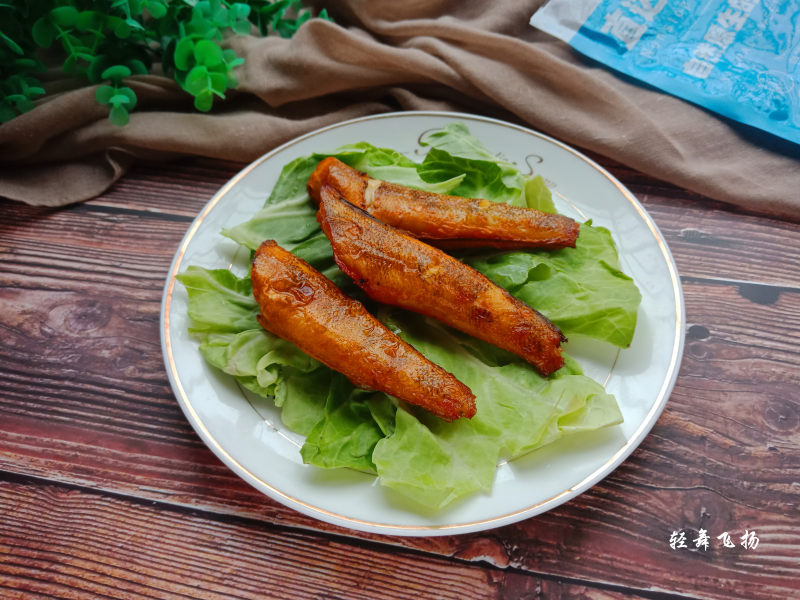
(106, 42)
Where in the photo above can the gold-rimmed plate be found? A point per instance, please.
(246, 433)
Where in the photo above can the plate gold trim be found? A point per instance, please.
(394, 529)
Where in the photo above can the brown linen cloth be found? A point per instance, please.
(467, 55)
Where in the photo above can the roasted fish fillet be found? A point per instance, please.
(395, 268)
(301, 305)
(441, 220)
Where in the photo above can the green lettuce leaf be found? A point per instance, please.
(383, 163)
(347, 432)
(288, 222)
(581, 289)
(538, 196)
(434, 462)
(219, 302)
(455, 145)
(486, 174)
(223, 315)
(481, 178)
(457, 140)
(289, 216)
(434, 469)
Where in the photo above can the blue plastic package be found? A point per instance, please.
(740, 58)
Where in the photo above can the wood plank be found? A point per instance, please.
(65, 543)
(180, 187)
(723, 245)
(85, 400)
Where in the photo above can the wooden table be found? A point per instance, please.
(106, 491)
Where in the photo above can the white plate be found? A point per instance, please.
(247, 434)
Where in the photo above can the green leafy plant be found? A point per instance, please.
(107, 41)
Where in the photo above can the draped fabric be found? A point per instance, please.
(382, 55)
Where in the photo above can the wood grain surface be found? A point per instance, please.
(68, 543)
(94, 446)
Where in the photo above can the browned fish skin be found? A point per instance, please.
(441, 220)
(397, 269)
(301, 305)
